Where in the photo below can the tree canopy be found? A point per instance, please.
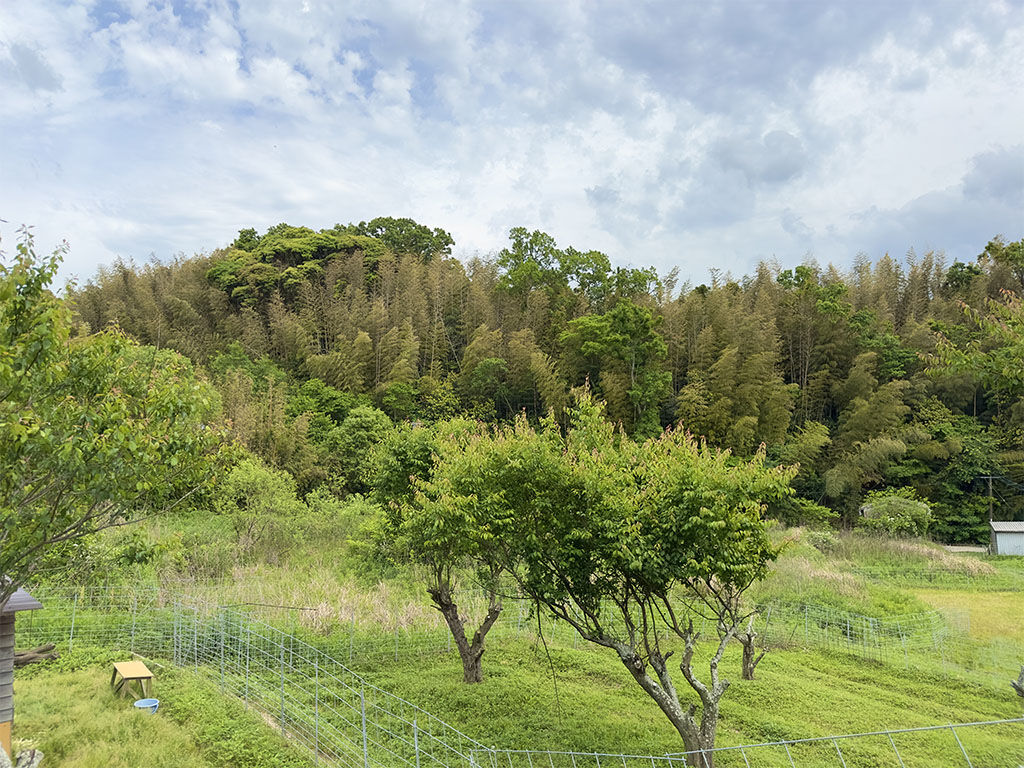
(835, 368)
(93, 429)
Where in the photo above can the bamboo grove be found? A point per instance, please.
(894, 374)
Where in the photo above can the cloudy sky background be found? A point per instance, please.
(689, 134)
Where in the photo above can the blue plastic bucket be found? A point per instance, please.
(147, 705)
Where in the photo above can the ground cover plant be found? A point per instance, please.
(819, 691)
(66, 710)
(798, 693)
(990, 615)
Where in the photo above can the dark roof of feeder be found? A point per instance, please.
(21, 601)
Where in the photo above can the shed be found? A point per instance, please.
(1007, 538)
(19, 601)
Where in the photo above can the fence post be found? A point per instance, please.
(135, 605)
(416, 742)
(805, 624)
(74, 611)
(903, 640)
(281, 646)
(177, 634)
(316, 711)
(396, 638)
(223, 621)
(248, 644)
(351, 634)
(362, 708)
(959, 744)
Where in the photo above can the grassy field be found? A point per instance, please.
(67, 711)
(992, 615)
(796, 694)
(587, 702)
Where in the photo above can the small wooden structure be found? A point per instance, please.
(19, 601)
(1006, 538)
(131, 672)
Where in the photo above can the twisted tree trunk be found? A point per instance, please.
(471, 652)
(698, 734)
(751, 658)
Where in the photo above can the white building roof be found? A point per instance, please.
(1008, 527)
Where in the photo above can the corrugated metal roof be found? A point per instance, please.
(1008, 527)
(21, 601)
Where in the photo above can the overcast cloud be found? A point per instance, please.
(675, 134)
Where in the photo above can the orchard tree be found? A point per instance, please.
(424, 478)
(93, 430)
(627, 542)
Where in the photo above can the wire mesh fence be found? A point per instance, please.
(962, 744)
(928, 640)
(306, 687)
(1008, 578)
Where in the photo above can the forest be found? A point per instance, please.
(895, 383)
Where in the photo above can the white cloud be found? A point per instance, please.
(665, 134)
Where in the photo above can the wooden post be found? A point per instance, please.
(6, 679)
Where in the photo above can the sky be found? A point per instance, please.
(695, 135)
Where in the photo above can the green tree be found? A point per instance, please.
(404, 236)
(1008, 255)
(423, 476)
(348, 445)
(621, 353)
(626, 542)
(261, 503)
(898, 512)
(994, 357)
(93, 431)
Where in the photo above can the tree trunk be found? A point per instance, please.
(42, 653)
(664, 695)
(750, 656)
(471, 653)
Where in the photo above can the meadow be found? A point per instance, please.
(552, 691)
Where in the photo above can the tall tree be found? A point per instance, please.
(621, 353)
(424, 477)
(93, 430)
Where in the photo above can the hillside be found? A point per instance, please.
(866, 377)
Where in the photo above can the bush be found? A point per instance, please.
(262, 504)
(897, 512)
(825, 542)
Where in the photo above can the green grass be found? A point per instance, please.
(797, 694)
(992, 615)
(66, 709)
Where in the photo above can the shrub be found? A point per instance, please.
(262, 504)
(898, 512)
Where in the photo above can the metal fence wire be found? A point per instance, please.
(343, 720)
